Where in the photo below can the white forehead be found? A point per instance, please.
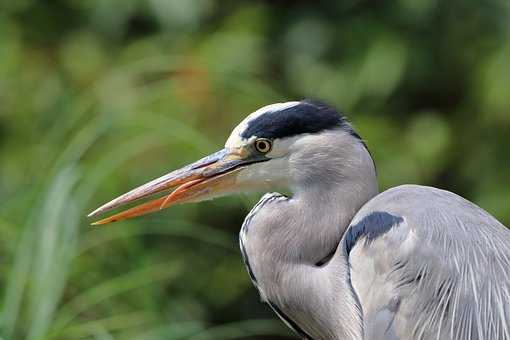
(235, 138)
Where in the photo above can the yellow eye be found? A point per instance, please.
(263, 145)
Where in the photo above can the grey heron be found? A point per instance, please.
(336, 259)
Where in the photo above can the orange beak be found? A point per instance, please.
(210, 177)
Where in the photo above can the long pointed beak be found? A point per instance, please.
(209, 177)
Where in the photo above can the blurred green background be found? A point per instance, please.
(99, 96)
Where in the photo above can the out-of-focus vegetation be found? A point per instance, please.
(99, 96)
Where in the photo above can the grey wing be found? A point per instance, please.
(428, 264)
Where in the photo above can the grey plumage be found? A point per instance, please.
(442, 272)
(413, 262)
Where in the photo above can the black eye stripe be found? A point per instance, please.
(305, 117)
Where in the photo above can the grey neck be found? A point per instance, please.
(320, 217)
(288, 238)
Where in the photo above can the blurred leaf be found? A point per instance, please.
(242, 329)
(115, 286)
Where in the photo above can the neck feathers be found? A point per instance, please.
(283, 239)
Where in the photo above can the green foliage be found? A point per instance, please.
(97, 97)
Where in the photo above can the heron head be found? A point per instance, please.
(286, 145)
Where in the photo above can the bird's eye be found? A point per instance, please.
(263, 145)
